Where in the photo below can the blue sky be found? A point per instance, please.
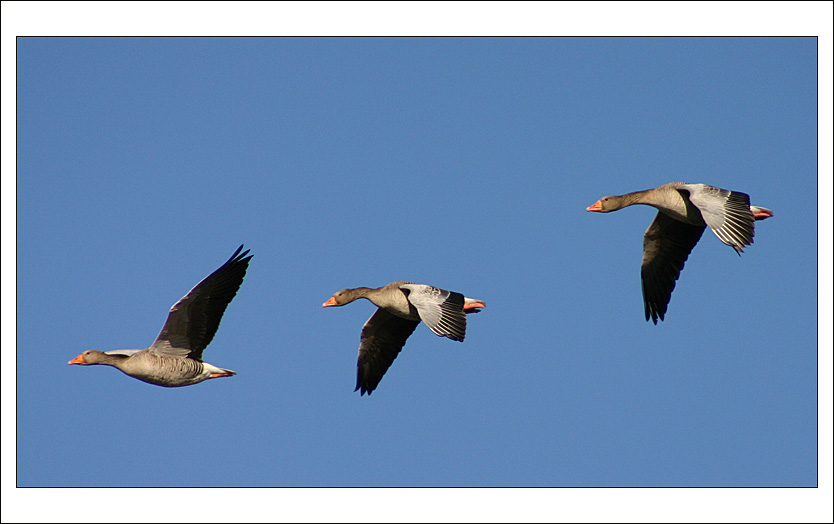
(463, 163)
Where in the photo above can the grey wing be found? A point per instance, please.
(666, 246)
(727, 213)
(125, 352)
(441, 310)
(193, 320)
(383, 336)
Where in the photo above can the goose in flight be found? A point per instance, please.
(401, 305)
(684, 212)
(176, 356)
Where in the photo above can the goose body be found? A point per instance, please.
(684, 212)
(401, 306)
(175, 357)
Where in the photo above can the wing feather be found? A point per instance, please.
(666, 246)
(194, 319)
(383, 336)
(727, 213)
(441, 310)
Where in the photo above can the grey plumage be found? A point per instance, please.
(401, 305)
(175, 357)
(684, 212)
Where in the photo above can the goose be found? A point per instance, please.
(401, 305)
(684, 211)
(176, 356)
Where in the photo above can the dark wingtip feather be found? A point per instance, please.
(360, 387)
(238, 256)
(363, 390)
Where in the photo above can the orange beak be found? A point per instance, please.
(331, 302)
(77, 360)
(474, 305)
(596, 207)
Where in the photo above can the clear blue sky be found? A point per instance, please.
(463, 163)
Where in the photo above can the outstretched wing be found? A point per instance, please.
(441, 310)
(727, 213)
(666, 246)
(383, 336)
(193, 320)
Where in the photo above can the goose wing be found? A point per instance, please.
(193, 320)
(383, 336)
(666, 246)
(441, 310)
(727, 213)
